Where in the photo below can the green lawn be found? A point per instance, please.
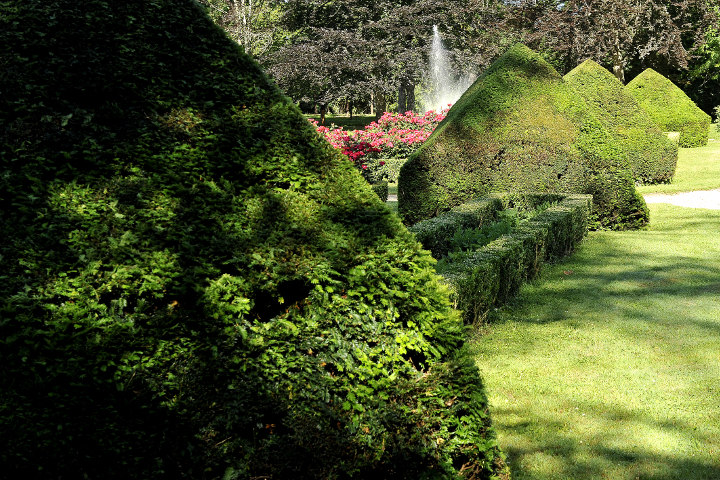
(697, 169)
(608, 366)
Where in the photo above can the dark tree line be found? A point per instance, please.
(375, 52)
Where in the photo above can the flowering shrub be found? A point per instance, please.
(394, 135)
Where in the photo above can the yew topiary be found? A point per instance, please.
(520, 128)
(194, 283)
(652, 155)
(670, 108)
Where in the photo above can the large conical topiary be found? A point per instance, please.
(670, 108)
(520, 127)
(194, 283)
(652, 155)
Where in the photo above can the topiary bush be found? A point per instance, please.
(670, 108)
(652, 155)
(520, 128)
(194, 283)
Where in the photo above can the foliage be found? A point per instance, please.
(388, 168)
(651, 154)
(670, 108)
(434, 232)
(195, 284)
(253, 24)
(520, 128)
(356, 50)
(471, 239)
(381, 189)
(615, 31)
(391, 136)
(490, 272)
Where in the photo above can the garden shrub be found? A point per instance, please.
(486, 277)
(652, 155)
(435, 232)
(194, 283)
(520, 128)
(670, 108)
(385, 168)
(381, 189)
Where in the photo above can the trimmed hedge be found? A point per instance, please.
(388, 171)
(381, 190)
(435, 232)
(520, 128)
(493, 274)
(194, 283)
(670, 108)
(652, 156)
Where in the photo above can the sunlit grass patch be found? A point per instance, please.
(608, 365)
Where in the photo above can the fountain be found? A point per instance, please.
(445, 86)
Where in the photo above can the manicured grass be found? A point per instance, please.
(392, 188)
(697, 169)
(608, 366)
(357, 122)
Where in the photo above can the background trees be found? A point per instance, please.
(373, 54)
(615, 32)
(254, 24)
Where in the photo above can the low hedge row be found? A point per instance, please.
(435, 232)
(385, 168)
(381, 190)
(490, 276)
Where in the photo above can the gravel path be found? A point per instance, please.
(700, 199)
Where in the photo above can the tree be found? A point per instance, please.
(354, 49)
(703, 76)
(254, 24)
(615, 31)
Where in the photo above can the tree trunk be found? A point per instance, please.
(323, 109)
(402, 100)
(379, 103)
(372, 103)
(410, 97)
(350, 108)
(617, 59)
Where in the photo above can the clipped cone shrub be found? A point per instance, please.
(670, 108)
(194, 283)
(652, 155)
(520, 128)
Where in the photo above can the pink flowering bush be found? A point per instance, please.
(394, 135)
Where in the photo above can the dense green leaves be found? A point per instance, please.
(520, 128)
(670, 108)
(487, 275)
(196, 284)
(651, 154)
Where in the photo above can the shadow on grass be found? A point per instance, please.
(648, 301)
(601, 456)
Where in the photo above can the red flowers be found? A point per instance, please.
(393, 135)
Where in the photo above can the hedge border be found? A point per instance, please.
(434, 233)
(492, 275)
(381, 190)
